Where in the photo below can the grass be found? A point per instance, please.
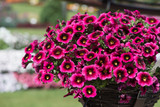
(31, 31)
(38, 98)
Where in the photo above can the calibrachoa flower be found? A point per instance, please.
(39, 57)
(77, 80)
(120, 74)
(89, 91)
(90, 72)
(144, 79)
(47, 77)
(88, 50)
(67, 66)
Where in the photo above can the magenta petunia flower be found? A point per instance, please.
(80, 52)
(112, 41)
(143, 90)
(132, 82)
(89, 56)
(124, 98)
(70, 48)
(65, 81)
(89, 19)
(155, 85)
(48, 45)
(144, 79)
(114, 15)
(39, 57)
(135, 30)
(154, 46)
(153, 29)
(134, 48)
(139, 62)
(64, 37)
(78, 93)
(147, 50)
(77, 80)
(102, 60)
(30, 48)
(151, 20)
(104, 22)
(116, 62)
(82, 16)
(57, 52)
(101, 16)
(47, 77)
(51, 33)
(120, 33)
(90, 72)
(131, 70)
(124, 21)
(105, 72)
(127, 57)
(26, 57)
(109, 51)
(120, 74)
(68, 29)
(97, 49)
(138, 40)
(89, 91)
(83, 41)
(48, 66)
(79, 27)
(95, 35)
(67, 66)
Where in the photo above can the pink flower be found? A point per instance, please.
(135, 30)
(120, 74)
(112, 41)
(104, 22)
(97, 49)
(83, 41)
(124, 98)
(102, 60)
(132, 82)
(48, 66)
(26, 57)
(105, 72)
(89, 56)
(155, 85)
(68, 29)
(79, 27)
(39, 57)
(139, 62)
(80, 53)
(95, 35)
(131, 70)
(48, 45)
(77, 80)
(67, 66)
(70, 48)
(64, 37)
(116, 62)
(57, 52)
(90, 72)
(30, 48)
(89, 91)
(127, 57)
(124, 21)
(89, 19)
(151, 20)
(144, 79)
(137, 40)
(147, 50)
(47, 77)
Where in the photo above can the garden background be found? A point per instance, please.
(21, 22)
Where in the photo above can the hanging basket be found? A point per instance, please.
(109, 97)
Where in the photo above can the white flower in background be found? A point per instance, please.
(157, 64)
(8, 83)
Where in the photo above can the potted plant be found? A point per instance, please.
(104, 61)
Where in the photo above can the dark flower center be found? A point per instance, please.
(26, 56)
(95, 35)
(111, 42)
(83, 40)
(58, 52)
(120, 74)
(90, 55)
(151, 20)
(147, 50)
(126, 57)
(48, 66)
(120, 33)
(79, 28)
(47, 77)
(89, 91)
(144, 78)
(29, 47)
(137, 40)
(69, 30)
(124, 21)
(115, 63)
(39, 56)
(67, 66)
(64, 36)
(78, 79)
(129, 70)
(105, 22)
(134, 30)
(90, 71)
(48, 45)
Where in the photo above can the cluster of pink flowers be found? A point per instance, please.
(28, 80)
(114, 48)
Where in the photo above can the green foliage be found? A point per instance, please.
(51, 12)
(3, 45)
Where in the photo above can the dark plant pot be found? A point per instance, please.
(109, 97)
